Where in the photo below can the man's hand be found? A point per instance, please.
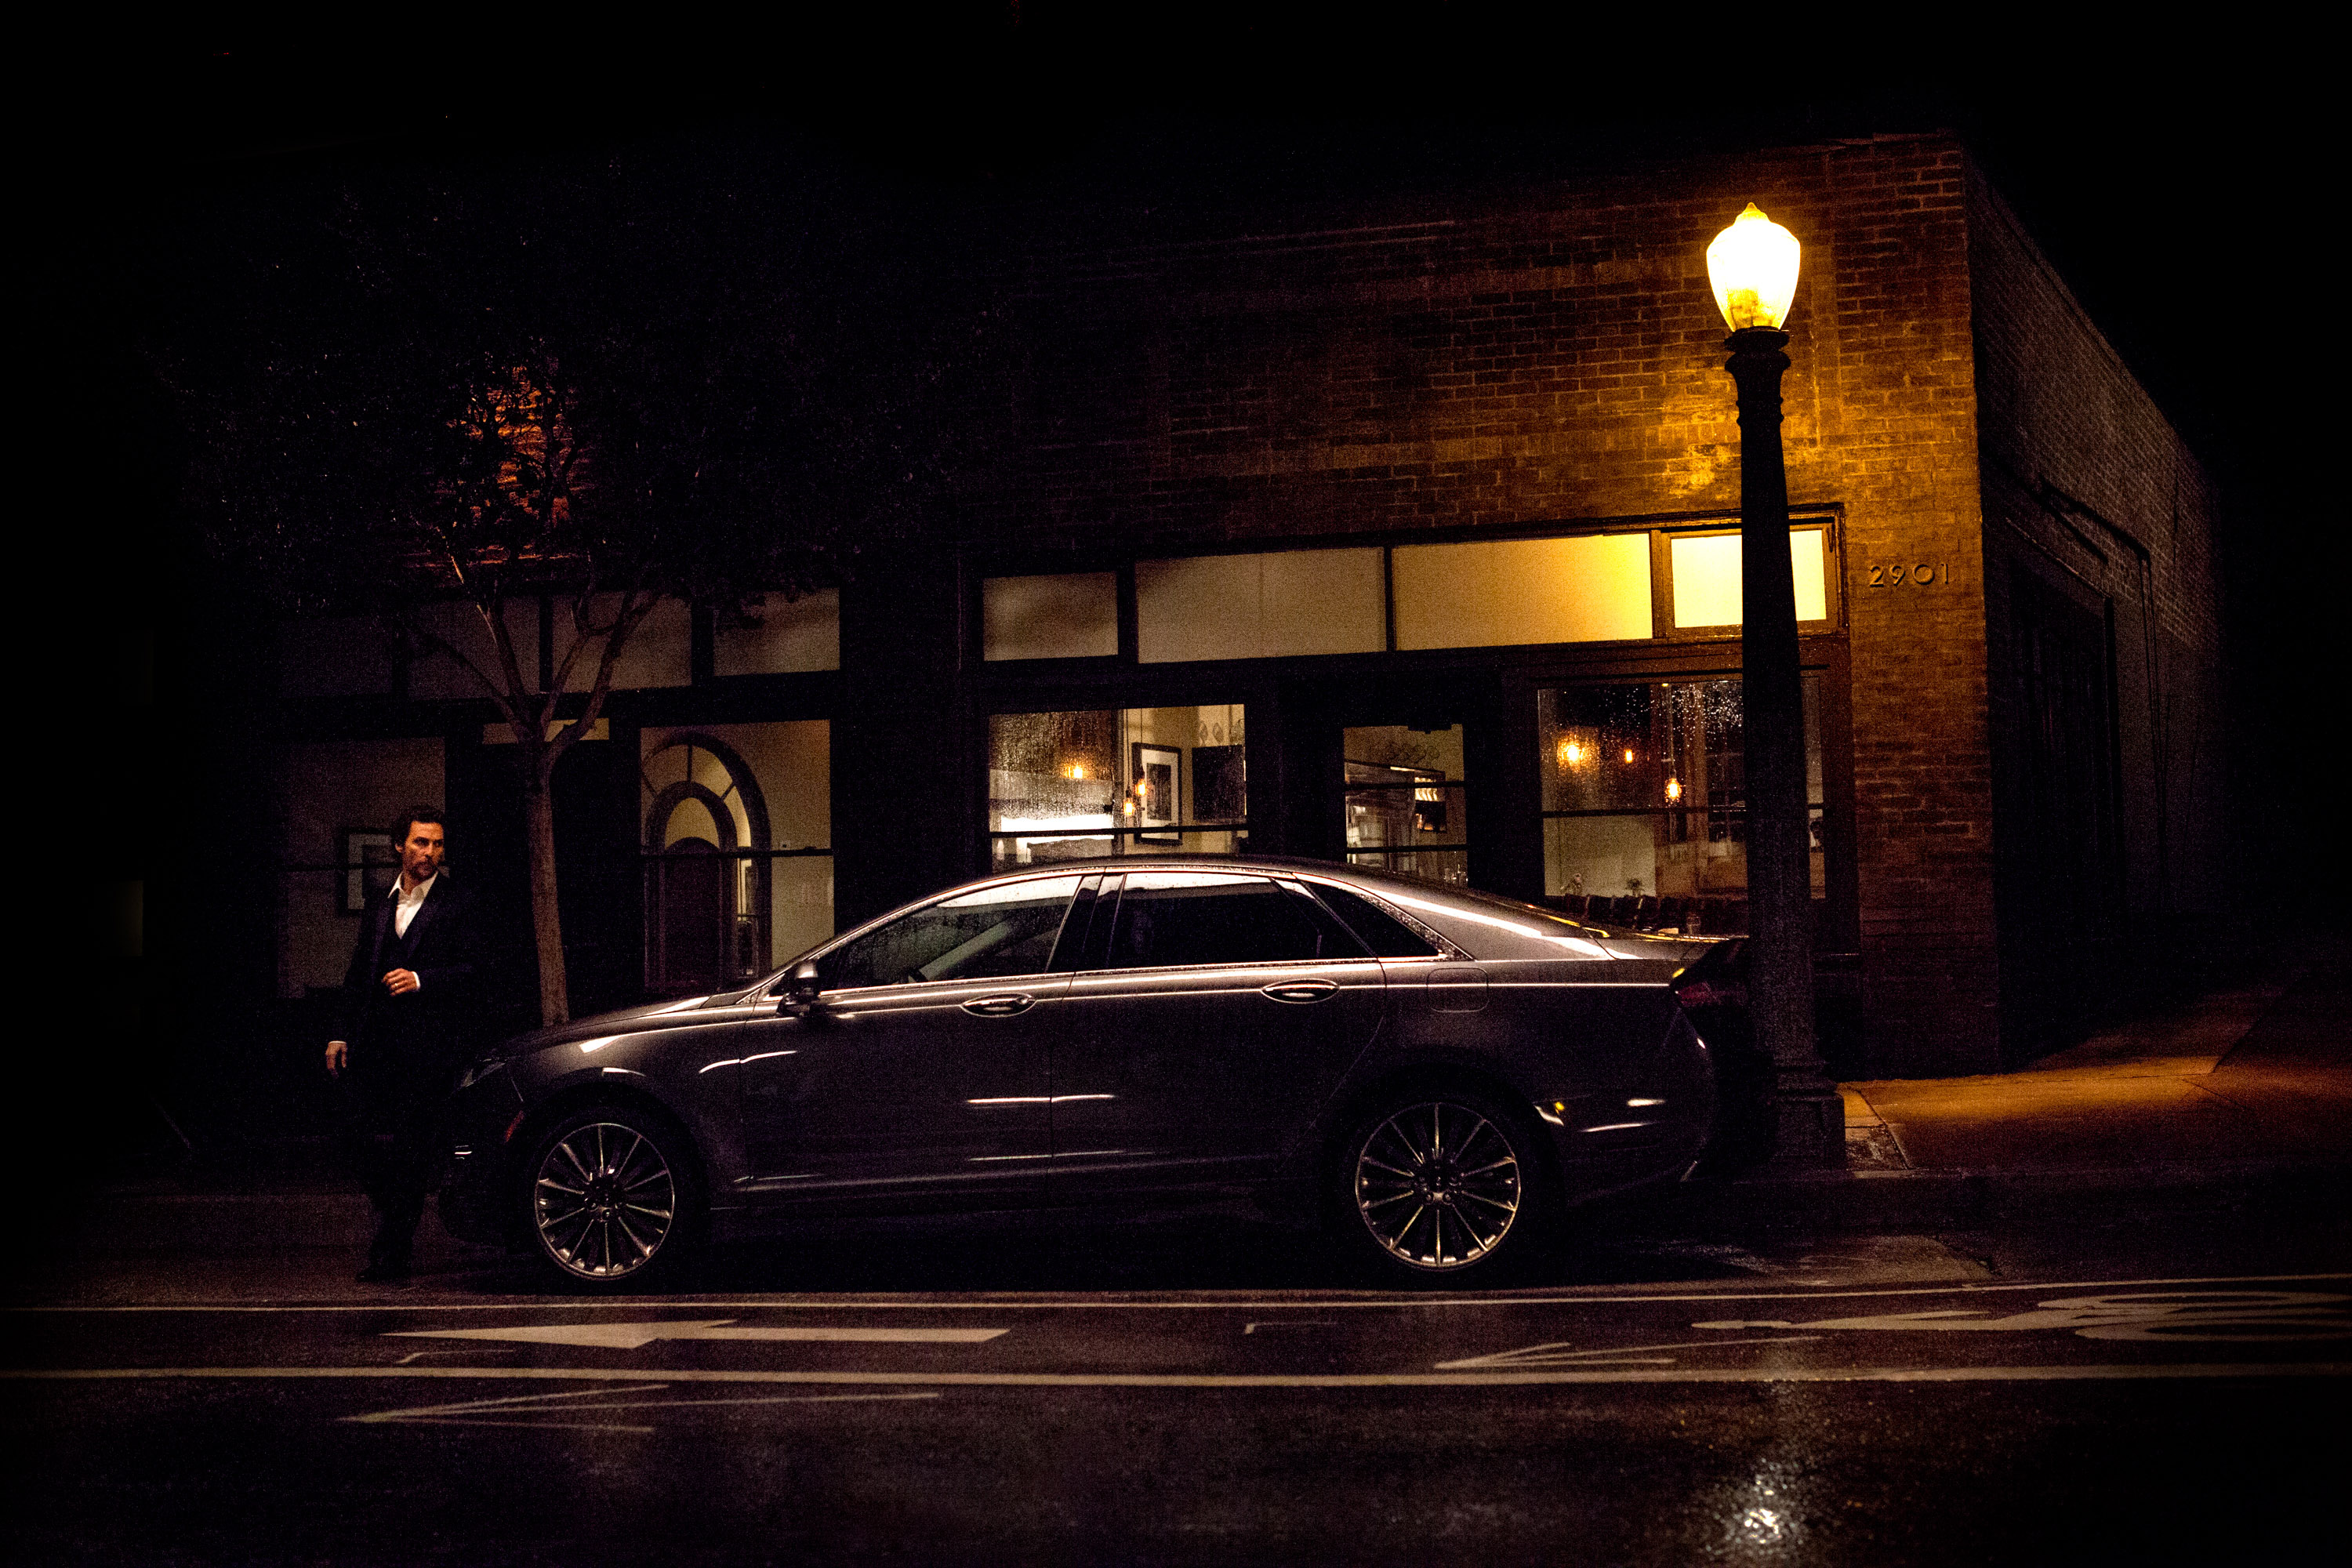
(339, 1057)
(400, 981)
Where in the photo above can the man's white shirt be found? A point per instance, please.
(411, 899)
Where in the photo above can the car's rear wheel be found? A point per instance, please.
(611, 1198)
(1441, 1186)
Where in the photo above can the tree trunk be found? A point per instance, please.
(546, 919)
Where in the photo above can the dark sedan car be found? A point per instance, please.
(1436, 1073)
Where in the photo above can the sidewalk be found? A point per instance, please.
(2240, 1097)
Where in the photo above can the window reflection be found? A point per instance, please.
(994, 932)
(1192, 918)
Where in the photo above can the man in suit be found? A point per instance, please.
(409, 998)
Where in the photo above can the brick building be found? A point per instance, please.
(1402, 527)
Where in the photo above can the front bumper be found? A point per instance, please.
(477, 1178)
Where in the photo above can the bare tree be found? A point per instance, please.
(646, 385)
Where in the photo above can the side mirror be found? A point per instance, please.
(800, 991)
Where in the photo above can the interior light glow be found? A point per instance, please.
(1055, 824)
(1629, 754)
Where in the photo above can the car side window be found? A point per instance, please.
(1386, 935)
(1168, 919)
(1001, 930)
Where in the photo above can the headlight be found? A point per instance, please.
(480, 1070)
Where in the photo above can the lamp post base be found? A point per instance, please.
(1809, 1122)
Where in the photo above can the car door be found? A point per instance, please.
(920, 1077)
(1211, 1015)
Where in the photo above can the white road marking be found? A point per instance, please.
(631, 1336)
(2242, 1317)
(2054, 1373)
(470, 1413)
(1195, 1302)
(1564, 1353)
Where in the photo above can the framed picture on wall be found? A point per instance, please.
(369, 867)
(1159, 777)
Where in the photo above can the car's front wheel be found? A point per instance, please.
(1440, 1186)
(611, 1196)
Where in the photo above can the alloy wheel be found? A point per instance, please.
(1437, 1185)
(604, 1201)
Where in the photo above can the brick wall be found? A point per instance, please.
(1552, 355)
(2089, 490)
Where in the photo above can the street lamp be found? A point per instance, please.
(1753, 268)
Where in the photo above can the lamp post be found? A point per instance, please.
(1753, 268)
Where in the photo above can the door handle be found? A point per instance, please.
(999, 1007)
(1300, 990)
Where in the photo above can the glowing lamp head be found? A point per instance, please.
(1753, 267)
(1673, 791)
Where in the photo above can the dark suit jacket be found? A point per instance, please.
(406, 1046)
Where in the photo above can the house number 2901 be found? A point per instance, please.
(1917, 575)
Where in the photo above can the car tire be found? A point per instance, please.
(610, 1197)
(1441, 1185)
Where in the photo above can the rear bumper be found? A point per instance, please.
(1655, 1133)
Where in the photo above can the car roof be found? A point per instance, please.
(1416, 888)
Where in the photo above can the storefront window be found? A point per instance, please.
(1065, 786)
(1645, 788)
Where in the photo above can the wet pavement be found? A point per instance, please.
(2099, 1311)
(2006, 1396)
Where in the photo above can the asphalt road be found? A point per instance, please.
(2141, 1394)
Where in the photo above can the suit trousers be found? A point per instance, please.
(392, 1146)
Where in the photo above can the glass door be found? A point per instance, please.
(1406, 801)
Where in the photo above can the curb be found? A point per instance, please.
(220, 1223)
(1897, 1200)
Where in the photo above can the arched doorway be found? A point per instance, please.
(707, 896)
